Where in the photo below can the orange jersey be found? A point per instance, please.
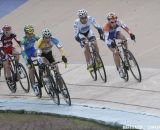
(107, 27)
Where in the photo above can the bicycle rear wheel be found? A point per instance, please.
(134, 67)
(23, 78)
(64, 90)
(50, 87)
(101, 68)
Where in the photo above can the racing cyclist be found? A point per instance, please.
(82, 30)
(6, 40)
(112, 30)
(45, 44)
(29, 51)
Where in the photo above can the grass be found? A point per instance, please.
(22, 120)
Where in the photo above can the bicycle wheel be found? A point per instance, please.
(93, 73)
(134, 67)
(23, 77)
(39, 83)
(12, 85)
(124, 68)
(63, 89)
(50, 88)
(101, 68)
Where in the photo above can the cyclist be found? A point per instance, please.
(7, 47)
(112, 31)
(82, 31)
(28, 51)
(45, 44)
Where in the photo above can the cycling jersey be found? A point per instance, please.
(46, 47)
(111, 33)
(28, 46)
(84, 28)
(7, 42)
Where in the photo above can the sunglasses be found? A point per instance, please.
(113, 22)
(83, 18)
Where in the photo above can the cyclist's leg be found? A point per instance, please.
(122, 37)
(15, 53)
(6, 63)
(31, 71)
(91, 37)
(86, 48)
(7, 71)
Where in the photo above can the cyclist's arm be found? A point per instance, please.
(106, 29)
(124, 26)
(76, 31)
(38, 43)
(93, 22)
(58, 45)
(14, 36)
(25, 56)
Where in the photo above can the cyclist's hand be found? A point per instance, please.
(101, 37)
(83, 42)
(113, 44)
(64, 59)
(132, 36)
(42, 66)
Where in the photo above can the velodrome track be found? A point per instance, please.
(142, 16)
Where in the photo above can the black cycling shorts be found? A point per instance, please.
(49, 56)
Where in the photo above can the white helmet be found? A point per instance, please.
(111, 15)
(82, 13)
(46, 33)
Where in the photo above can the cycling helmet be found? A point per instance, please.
(111, 15)
(29, 29)
(6, 28)
(46, 33)
(82, 13)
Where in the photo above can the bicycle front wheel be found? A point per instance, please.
(134, 67)
(101, 68)
(50, 87)
(64, 90)
(23, 78)
(12, 84)
(124, 68)
(93, 72)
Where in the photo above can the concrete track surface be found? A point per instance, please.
(142, 16)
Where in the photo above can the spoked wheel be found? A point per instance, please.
(124, 68)
(50, 87)
(63, 90)
(23, 78)
(94, 71)
(101, 68)
(39, 84)
(134, 67)
(12, 85)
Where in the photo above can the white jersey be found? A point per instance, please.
(83, 28)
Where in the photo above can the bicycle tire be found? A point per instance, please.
(12, 88)
(122, 64)
(51, 90)
(103, 76)
(139, 77)
(38, 80)
(93, 57)
(63, 90)
(23, 70)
